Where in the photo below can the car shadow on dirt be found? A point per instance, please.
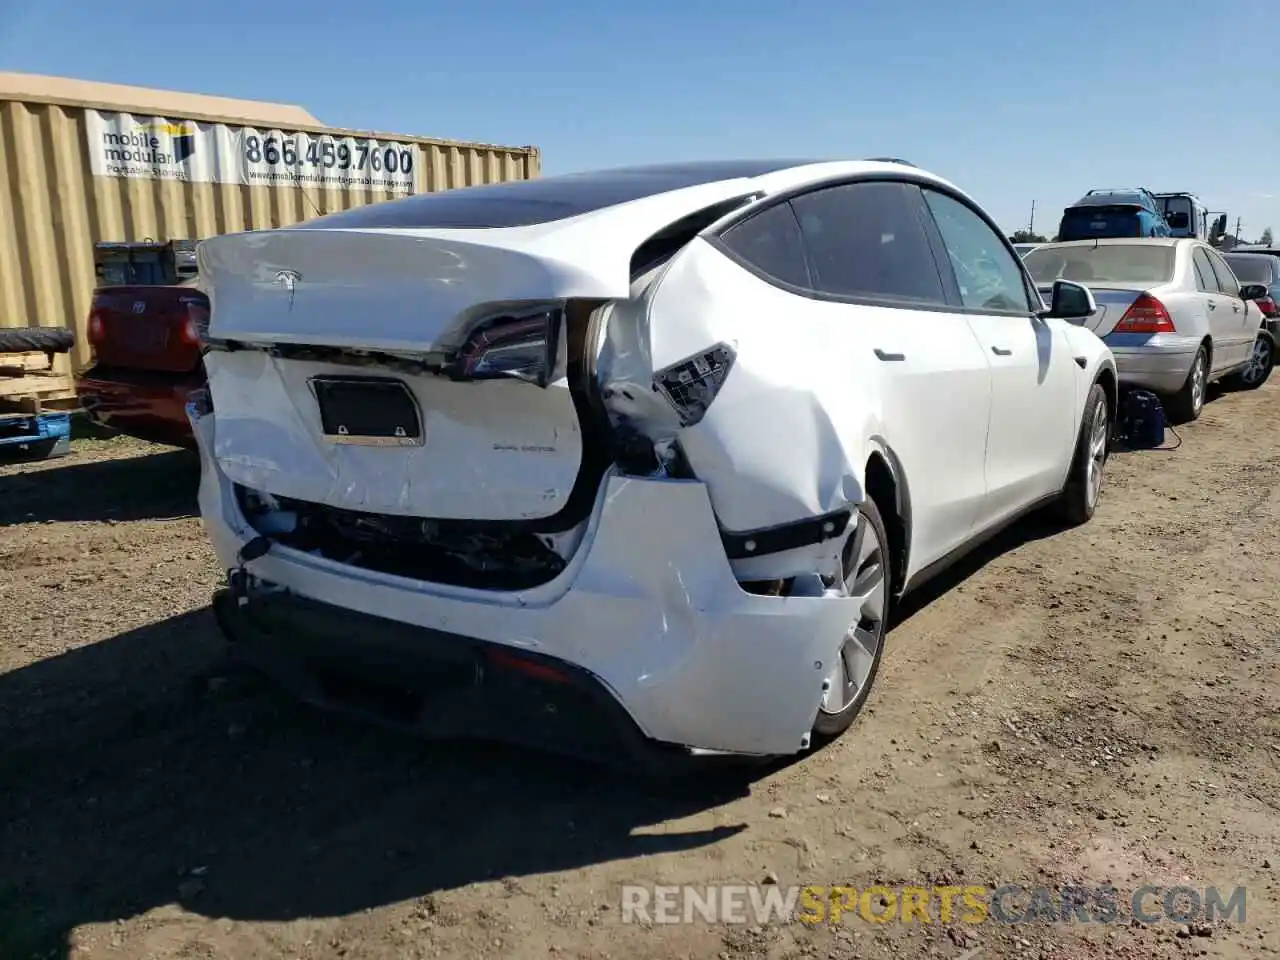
(158, 486)
(1037, 526)
(130, 780)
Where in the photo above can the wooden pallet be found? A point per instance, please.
(29, 384)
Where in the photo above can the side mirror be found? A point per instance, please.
(1220, 227)
(1070, 301)
(1252, 291)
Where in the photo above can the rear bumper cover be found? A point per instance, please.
(648, 610)
(432, 683)
(150, 406)
(1159, 362)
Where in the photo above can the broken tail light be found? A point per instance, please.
(196, 326)
(522, 347)
(690, 385)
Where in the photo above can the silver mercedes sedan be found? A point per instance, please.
(1171, 310)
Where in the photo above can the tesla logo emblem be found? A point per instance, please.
(139, 306)
(289, 280)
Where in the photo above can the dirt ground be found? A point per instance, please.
(1081, 707)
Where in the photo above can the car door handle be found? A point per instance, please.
(1235, 307)
(1213, 305)
(1001, 352)
(888, 357)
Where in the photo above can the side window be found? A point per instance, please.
(867, 240)
(1206, 279)
(1227, 281)
(770, 242)
(989, 277)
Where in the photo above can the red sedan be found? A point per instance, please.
(146, 342)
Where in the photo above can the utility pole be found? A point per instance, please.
(1237, 234)
(1031, 227)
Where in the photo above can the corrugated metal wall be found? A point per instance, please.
(53, 210)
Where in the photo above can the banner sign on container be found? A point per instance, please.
(156, 148)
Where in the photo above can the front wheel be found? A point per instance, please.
(1257, 371)
(1093, 447)
(866, 579)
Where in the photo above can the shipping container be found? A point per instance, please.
(85, 163)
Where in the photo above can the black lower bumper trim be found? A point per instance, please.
(436, 684)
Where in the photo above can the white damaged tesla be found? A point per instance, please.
(631, 463)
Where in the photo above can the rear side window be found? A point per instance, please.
(770, 242)
(1206, 279)
(867, 241)
(1227, 281)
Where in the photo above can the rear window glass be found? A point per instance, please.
(522, 203)
(1127, 263)
(1112, 221)
(1250, 269)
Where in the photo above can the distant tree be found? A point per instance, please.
(1026, 236)
(1266, 237)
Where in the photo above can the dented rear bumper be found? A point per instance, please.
(648, 613)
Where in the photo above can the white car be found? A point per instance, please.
(631, 460)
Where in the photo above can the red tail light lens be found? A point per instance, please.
(509, 660)
(1145, 315)
(196, 326)
(1267, 306)
(690, 385)
(97, 327)
(520, 347)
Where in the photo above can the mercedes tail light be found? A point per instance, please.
(690, 385)
(522, 347)
(1268, 307)
(1145, 315)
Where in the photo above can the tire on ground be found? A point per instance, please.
(36, 340)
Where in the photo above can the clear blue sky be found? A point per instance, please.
(1014, 100)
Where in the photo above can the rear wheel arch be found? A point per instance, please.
(885, 484)
(1107, 378)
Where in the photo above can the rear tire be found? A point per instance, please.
(1187, 404)
(1080, 496)
(867, 565)
(36, 340)
(1261, 362)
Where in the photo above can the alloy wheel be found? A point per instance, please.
(1198, 376)
(1259, 361)
(866, 581)
(1097, 453)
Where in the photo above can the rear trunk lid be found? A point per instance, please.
(424, 372)
(148, 327)
(366, 401)
(1112, 304)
